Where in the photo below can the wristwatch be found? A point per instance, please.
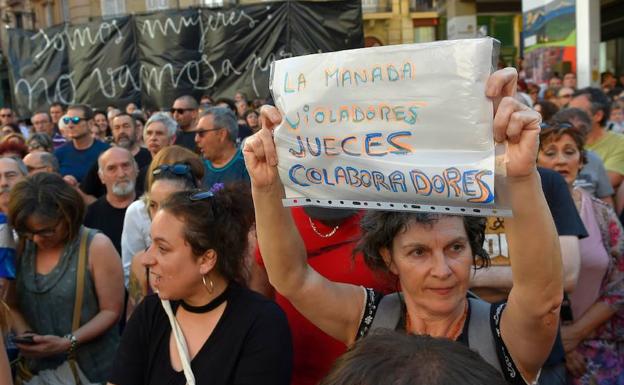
(74, 343)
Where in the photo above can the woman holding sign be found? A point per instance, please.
(431, 255)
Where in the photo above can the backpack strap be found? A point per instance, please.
(388, 312)
(480, 336)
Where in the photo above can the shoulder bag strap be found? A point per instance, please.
(388, 312)
(180, 343)
(80, 278)
(480, 337)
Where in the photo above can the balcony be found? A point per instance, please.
(422, 5)
(376, 6)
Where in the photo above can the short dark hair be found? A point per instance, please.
(379, 228)
(87, 112)
(599, 101)
(49, 197)
(132, 119)
(386, 357)
(220, 223)
(58, 104)
(548, 109)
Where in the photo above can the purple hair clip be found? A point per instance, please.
(217, 187)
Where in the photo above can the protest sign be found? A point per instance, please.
(153, 58)
(403, 127)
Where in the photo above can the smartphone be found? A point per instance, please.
(26, 340)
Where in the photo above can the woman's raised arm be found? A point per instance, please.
(530, 320)
(335, 308)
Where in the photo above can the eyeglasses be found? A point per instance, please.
(43, 233)
(202, 132)
(177, 169)
(72, 119)
(201, 195)
(180, 110)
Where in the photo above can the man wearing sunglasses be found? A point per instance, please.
(215, 136)
(184, 111)
(81, 151)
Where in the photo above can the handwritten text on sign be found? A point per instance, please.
(402, 124)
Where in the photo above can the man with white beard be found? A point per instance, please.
(117, 170)
(124, 135)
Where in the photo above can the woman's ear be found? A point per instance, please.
(207, 261)
(387, 257)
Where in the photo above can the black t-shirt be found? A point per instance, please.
(251, 345)
(106, 218)
(561, 204)
(186, 139)
(92, 185)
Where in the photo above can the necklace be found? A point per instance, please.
(316, 230)
(218, 300)
(455, 332)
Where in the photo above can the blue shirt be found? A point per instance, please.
(7, 249)
(77, 162)
(233, 171)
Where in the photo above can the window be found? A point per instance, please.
(113, 7)
(216, 3)
(155, 5)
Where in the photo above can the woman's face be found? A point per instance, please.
(45, 233)
(563, 156)
(174, 271)
(252, 120)
(161, 190)
(433, 263)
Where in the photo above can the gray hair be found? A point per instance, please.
(43, 139)
(570, 114)
(166, 120)
(223, 118)
(20, 163)
(49, 160)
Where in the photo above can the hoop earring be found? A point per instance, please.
(211, 288)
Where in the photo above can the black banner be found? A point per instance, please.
(154, 58)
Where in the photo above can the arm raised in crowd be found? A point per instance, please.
(530, 320)
(329, 305)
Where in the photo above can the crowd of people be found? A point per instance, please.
(153, 247)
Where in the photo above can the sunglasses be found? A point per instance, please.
(202, 132)
(180, 110)
(201, 195)
(72, 119)
(176, 169)
(565, 96)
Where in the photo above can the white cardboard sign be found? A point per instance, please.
(404, 127)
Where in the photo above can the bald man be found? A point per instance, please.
(41, 161)
(118, 171)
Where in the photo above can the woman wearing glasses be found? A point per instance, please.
(48, 215)
(209, 327)
(593, 342)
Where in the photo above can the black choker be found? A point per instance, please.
(210, 305)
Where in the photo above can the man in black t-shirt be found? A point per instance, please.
(124, 136)
(118, 171)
